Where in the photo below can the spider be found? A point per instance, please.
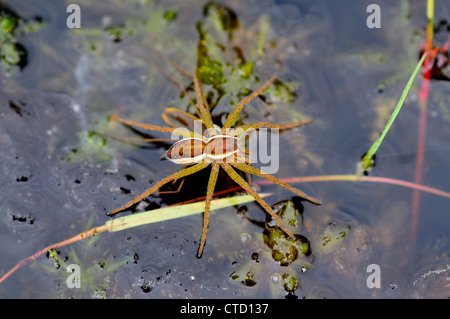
(219, 148)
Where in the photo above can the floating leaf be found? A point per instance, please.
(332, 238)
(173, 212)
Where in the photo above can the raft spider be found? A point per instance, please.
(219, 148)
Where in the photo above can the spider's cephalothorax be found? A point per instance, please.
(218, 148)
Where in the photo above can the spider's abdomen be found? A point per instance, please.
(221, 146)
(187, 151)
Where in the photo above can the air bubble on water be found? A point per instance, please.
(245, 238)
(76, 107)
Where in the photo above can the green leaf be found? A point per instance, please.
(367, 160)
(7, 25)
(10, 54)
(173, 212)
(170, 15)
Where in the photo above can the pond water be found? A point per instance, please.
(64, 166)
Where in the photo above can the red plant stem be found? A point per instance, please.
(419, 157)
(23, 262)
(423, 97)
(356, 178)
(327, 178)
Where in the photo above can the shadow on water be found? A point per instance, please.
(64, 166)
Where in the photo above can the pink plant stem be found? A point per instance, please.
(326, 178)
(418, 176)
(356, 178)
(23, 262)
(423, 97)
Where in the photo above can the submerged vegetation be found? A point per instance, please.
(12, 53)
(93, 275)
(287, 252)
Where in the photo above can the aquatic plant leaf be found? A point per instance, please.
(332, 238)
(7, 25)
(170, 15)
(290, 282)
(367, 160)
(12, 52)
(173, 212)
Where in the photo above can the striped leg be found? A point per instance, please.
(149, 127)
(234, 114)
(255, 171)
(206, 117)
(179, 174)
(209, 193)
(257, 125)
(241, 182)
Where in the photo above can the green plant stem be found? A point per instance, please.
(358, 178)
(430, 29)
(173, 212)
(366, 161)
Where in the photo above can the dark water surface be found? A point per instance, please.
(61, 170)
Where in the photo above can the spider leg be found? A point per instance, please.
(151, 127)
(209, 193)
(171, 115)
(242, 158)
(135, 139)
(257, 125)
(234, 114)
(204, 98)
(173, 183)
(192, 76)
(179, 174)
(206, 117)
(181, 70)
(239, 180)
(203, 106)
(182, 88)
(186, 73)
(148, 139)
(181, 120)
(255, 171)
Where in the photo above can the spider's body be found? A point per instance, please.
(196, 150)
(218, 148)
